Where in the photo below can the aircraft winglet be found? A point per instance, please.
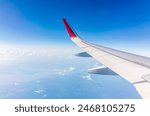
(71, 33)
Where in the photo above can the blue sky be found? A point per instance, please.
(121, 24)
(110, 22)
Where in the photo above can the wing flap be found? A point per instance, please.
(143, 89)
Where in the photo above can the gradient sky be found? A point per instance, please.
(34, 41)
(122, 23)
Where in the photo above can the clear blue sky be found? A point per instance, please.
(105, 21)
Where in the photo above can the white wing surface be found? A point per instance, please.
(132, 67)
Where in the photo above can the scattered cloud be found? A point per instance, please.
(44, 96)
(87, 77)
(96, 64)
(72, 68)
(65, 71)
(61, 73)
(39, 91)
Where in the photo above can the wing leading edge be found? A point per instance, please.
(132, 67)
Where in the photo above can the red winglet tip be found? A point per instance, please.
(70, 31)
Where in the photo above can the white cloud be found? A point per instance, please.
(88, 77)
(39, 91)
(67, 70)
(72, 68)
(44, 96)
(96, 64)
(61, 73)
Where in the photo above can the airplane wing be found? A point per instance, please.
(132, 67)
